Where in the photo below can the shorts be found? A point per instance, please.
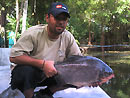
(24, 77)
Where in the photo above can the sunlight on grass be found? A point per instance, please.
(120, 94)
(120, 57)
(116, 58)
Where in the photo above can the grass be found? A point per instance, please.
(115, 58)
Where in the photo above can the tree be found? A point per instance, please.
(6, 7)
(107, 20)
(18, 15)
(24, 15)
(2, 25)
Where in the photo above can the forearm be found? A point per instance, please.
(47, 67)
(24, 59)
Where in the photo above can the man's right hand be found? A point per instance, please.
(49, 68)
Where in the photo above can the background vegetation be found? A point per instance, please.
(102, 22)
(92, 22)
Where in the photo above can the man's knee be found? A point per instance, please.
(22, 76)
(22, 71)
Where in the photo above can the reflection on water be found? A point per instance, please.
(119, 61)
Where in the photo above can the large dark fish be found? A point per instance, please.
(75, 71)
(82, 71)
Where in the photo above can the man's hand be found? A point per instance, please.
(49, 68)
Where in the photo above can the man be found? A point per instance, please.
(37, 50)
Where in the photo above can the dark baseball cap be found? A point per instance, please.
(57, 8)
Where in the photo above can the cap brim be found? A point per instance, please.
(55, 13)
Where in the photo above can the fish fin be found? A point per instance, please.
(73, 58)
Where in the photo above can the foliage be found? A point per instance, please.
(11, 26)
(91, 15)
(120, 94)
(86, 16)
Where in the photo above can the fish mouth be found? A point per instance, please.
(101, 81)
(106, 79)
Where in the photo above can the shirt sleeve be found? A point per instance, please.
(23, 46)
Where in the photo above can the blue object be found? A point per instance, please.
(1, 42)
(11, 39)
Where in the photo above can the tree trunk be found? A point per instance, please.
(24, 15)
(18, 15)
(89, 39)
(102, 40)
(2, 26)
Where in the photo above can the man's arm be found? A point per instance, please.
(27, 60)
(46, 66)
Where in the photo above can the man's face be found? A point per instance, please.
(57, 24)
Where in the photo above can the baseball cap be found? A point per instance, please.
(57, 8)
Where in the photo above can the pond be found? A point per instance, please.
(119, 61)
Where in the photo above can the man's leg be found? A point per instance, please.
(53, 84)
(29, 93)
(25, 79)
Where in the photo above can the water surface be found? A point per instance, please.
(119, 61)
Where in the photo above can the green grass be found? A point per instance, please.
(114, 58)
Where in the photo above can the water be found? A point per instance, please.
(119, 61)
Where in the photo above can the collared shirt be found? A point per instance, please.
(35, 43)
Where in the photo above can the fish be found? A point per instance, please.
(75, 71)
(79, 71)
